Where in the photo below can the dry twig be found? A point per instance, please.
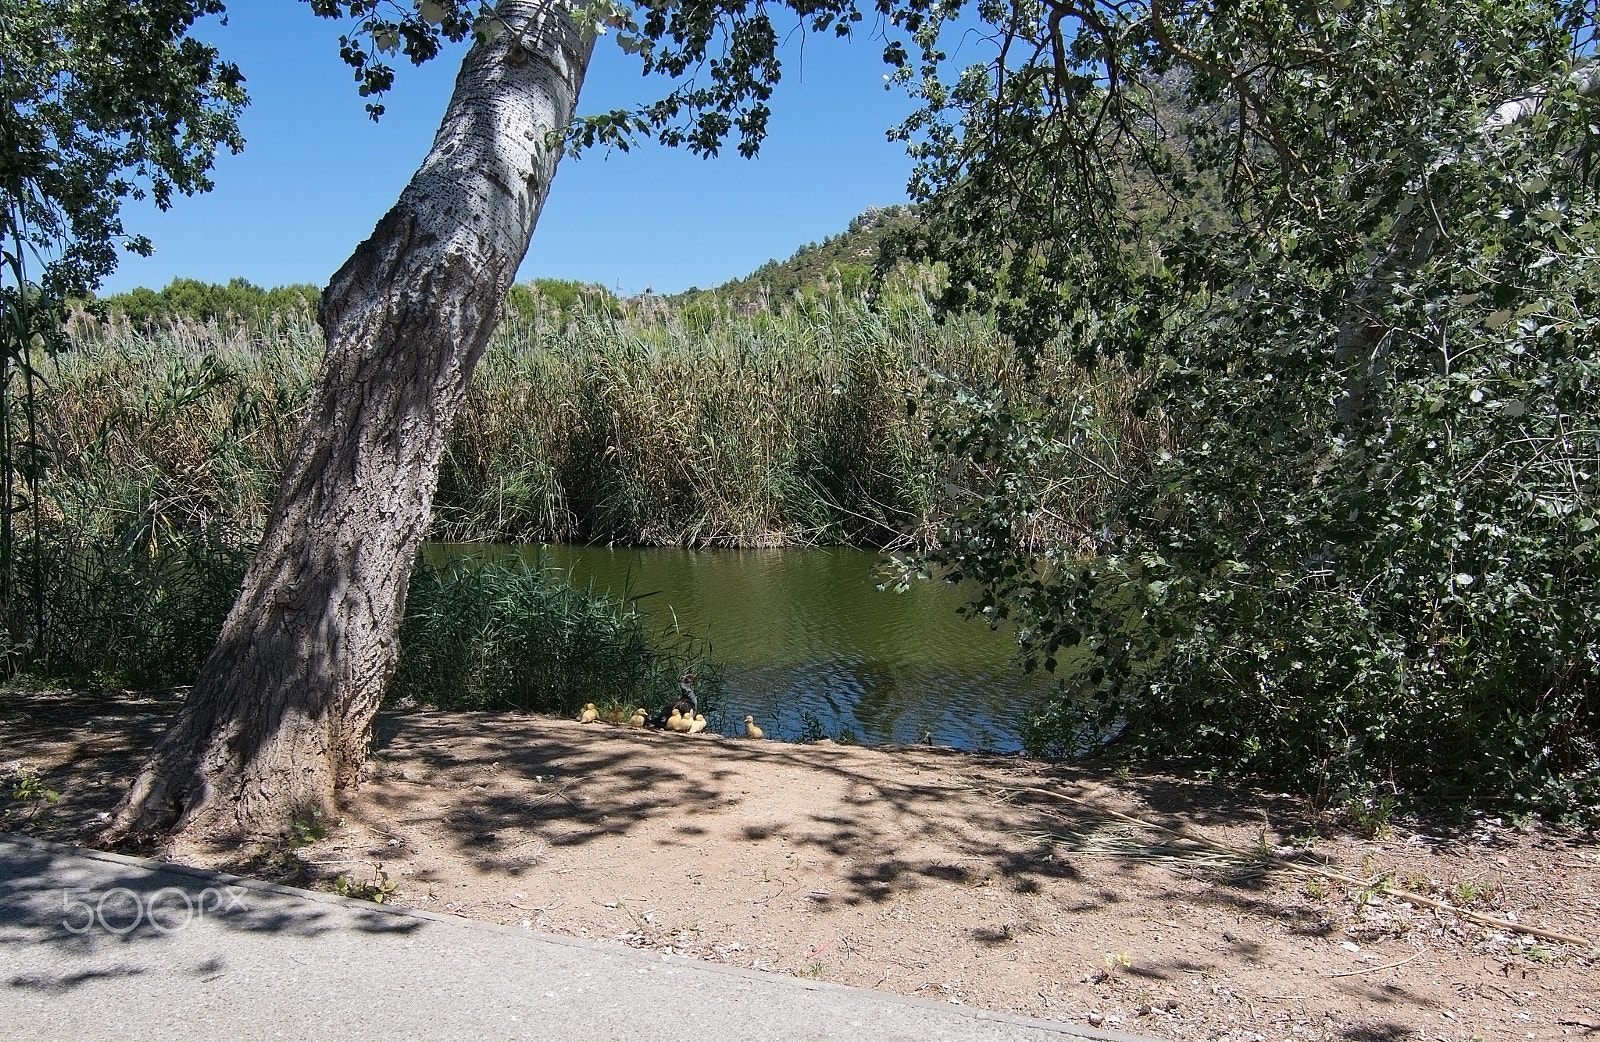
(1374, 969)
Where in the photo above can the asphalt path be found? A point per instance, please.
(101, 946)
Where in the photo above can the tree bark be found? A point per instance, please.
(280, 716)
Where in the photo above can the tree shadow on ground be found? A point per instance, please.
(86, 746)
(954, 821)
(1029, 853)
(513, 781)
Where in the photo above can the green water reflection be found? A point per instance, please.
(805, 630)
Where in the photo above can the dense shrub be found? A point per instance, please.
(1366, 559)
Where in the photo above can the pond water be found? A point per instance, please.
(804, 632)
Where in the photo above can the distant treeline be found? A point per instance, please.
(240, 300)
(193, 300)
(840, 264)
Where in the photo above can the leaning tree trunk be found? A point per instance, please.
(280, 716)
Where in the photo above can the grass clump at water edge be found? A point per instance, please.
(487, 635)
(477, 634)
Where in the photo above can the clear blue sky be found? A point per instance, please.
(316, 173)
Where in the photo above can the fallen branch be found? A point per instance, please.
(1266, 856)
(562, 792)
(1374, 969)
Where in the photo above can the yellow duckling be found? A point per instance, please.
(698, 724)
(637, 719)
(589, 715)
(751, 729)
(680, 723)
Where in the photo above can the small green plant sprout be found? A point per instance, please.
(1124, 773)
(1305, 840)
(1316, 888)
(1467, 893)
(377, 890)
(27, 785)
(307, 831)
(1371, 815)
(28, 788)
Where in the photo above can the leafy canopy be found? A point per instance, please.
(722, 56)
(1354, 246)
(104, 100)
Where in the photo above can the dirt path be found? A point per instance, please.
(1000, 882)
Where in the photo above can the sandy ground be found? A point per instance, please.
(995, 881)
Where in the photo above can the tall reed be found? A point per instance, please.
(125, 616)
(619, 421)
(182, 430)
(610, 421)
